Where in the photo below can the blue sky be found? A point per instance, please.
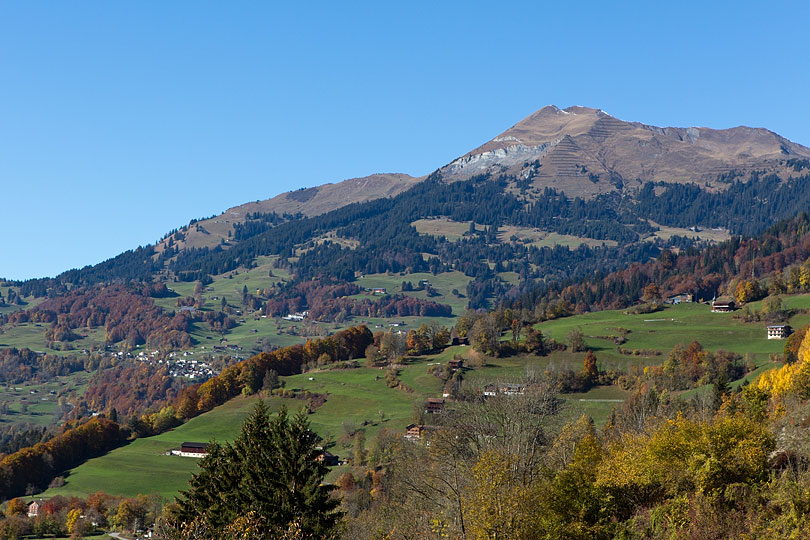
(120, 121)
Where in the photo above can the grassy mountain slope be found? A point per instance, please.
(356, 397)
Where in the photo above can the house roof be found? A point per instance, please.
(201, 445)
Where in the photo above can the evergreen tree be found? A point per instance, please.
(271, 470)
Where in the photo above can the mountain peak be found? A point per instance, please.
(584, 151)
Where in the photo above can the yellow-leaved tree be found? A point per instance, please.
(498, 506)
(790, 379)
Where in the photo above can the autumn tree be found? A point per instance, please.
(485, 336)
(393, 346)
(16, 507)
(590, 370)
(576, 340)
(652, 293)
(498, 504)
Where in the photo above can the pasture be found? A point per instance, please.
(360, 399)
(662, 330)
(37, 403)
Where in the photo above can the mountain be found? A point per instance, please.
(562, 194)
(578, 151)
(305, 202)
(584, 152)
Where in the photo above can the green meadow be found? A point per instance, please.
(357, 398)
(662, 330)
(360, 399)
(35, 403)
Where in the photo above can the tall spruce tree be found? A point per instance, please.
(271, 471)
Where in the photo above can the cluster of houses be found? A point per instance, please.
(192, 369)
(180, 364)
(297, 316)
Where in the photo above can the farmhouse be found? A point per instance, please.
(434, 405)
(683, 298)
(779, 331)
(456, 364)
(723, 304)
(378, 290)
(192, 449)
(33, 508)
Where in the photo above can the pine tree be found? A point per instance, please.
(271, 470)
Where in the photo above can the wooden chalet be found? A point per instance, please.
(723, 304)
(434, 405)
(455, 339)
(413, 432)
(456, 364)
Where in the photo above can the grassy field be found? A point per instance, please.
(253, 329)
(662, 330)
(34, 403)
(444, 284)
(32, 336)
(143, 466)
(230, 285)
(455, 230)
(10, 308)
(357, 398)
(540, 238)
(710, 235)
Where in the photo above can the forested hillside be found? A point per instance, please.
(776, 261)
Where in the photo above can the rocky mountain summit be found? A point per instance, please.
(584, 152)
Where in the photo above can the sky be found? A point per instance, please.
(120, 121)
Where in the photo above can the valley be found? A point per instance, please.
(541, 304)
(359, 400)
